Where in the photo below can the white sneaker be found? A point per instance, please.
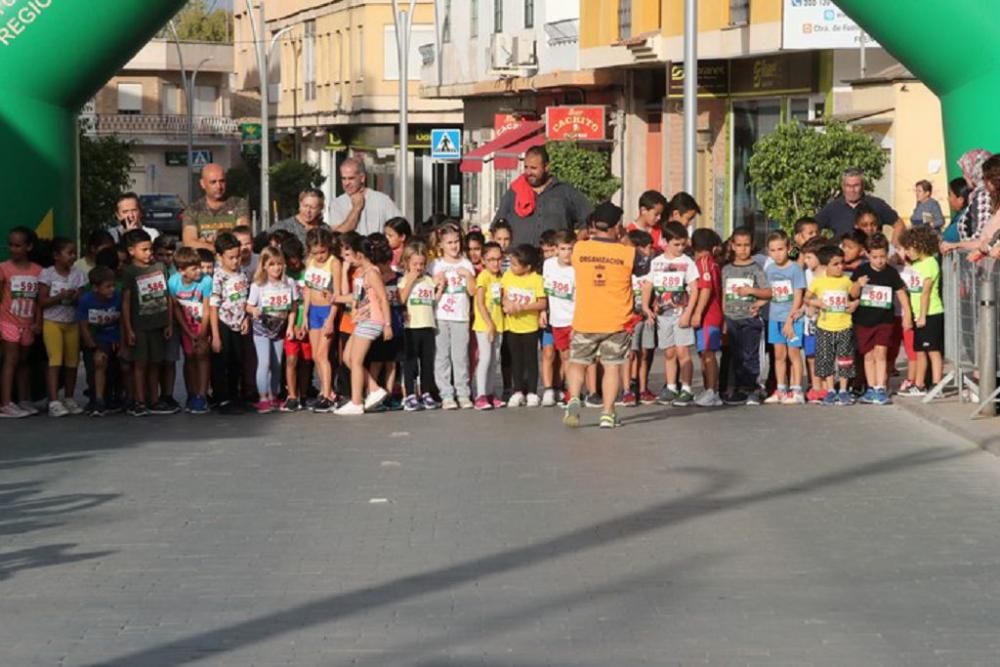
(57, 409)
(449, 404)
(73, 407)
(349, 409)
(373, 399)
(708, 399)
(465, 403)
(516, 400)
(548, 398)
(28, 407)
(532, 400)
(13, 411)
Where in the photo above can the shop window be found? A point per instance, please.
(529, 13)
(470, 188)
(624, 19)
(498, 16)
(739, 12)
(309, 60)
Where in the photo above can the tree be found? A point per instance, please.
(796, 170)
(589, 171)
(288, 179)
(105, 172)
(198, 22)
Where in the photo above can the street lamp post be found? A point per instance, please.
(189, 93)
(690, 93)
(404, 24)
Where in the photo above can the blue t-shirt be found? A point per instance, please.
(191, 297)
(784, 281)
(103, 316)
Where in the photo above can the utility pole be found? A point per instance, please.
(404, 22)
(690, 93)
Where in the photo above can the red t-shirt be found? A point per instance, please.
(655, 232)
(710, 278)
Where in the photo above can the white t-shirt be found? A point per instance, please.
(64, 314)
(117, 232)
(378, 209)
(560, 288)
(672, 278)
(454, 303)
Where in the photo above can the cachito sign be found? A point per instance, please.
(576, 123)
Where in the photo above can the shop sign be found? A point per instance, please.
(713, 79)
(581, 123)
(774, 75)
(819, 24)
(334, 141)
(505, 122)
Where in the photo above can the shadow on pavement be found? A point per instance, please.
(707, 501)
(46, 556)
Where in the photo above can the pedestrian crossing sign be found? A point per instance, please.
(446, 144)
(201, 159)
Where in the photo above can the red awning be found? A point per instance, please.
(508, 158)
(473, 161)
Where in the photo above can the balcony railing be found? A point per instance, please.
(163, 124)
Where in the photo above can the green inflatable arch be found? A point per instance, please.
(951, 45)
(54, 55)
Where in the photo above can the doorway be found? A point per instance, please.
(752, 119)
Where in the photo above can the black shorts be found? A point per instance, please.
(385, 351)
(930, 337)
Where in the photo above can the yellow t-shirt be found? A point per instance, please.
(525, 289)
(420, 304)
(494, 304)
(835, 295)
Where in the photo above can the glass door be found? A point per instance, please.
(752, 119)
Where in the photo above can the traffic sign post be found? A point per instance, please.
(446, 144)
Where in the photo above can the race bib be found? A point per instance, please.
(61, 287)
(318, 279)
(732, 284)
(103, 317)
(557, 289)
(276, 300)
(669, 282)
(782, 292)
(422, 295)
(455, 283)
(194, 310)
(914, 283)
(835, 301)
(522, 297)
(237, 291)
(876, 296)
(24, 287)
(496, 293)
(151, 287)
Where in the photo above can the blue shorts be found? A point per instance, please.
(547, 338)
(708, 339)
(775, 335)
(809, 345)
(318, 315)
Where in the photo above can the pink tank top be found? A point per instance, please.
(20, 293)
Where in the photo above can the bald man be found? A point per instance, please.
(214, 212)
(360, 209)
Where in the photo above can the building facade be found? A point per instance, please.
(146, 104)
(334, 90)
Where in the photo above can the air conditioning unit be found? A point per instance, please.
(524, 51)
(502, 52)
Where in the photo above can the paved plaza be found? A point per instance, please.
(751, 536)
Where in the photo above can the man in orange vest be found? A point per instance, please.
(603, 320)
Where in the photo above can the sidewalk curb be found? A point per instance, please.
(983, 432)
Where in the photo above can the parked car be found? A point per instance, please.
(162, 212)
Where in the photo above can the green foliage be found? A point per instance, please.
(195, 23)
(796, 170)
(288, 179)
(105, 172)
(589, 171)
(244, 181)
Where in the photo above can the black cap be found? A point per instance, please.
(606, 216)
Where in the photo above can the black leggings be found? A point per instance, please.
(227, 365)
(419, 349)
(523, 361)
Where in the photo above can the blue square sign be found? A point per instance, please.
(446, 144)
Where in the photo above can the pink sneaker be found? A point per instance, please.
(495, 402)
(264, 407)
(775, 398)
(483, 403)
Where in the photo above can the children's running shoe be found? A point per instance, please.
(904, 386)
(57, 409)
(913, 390)
(793, 398)
(350, 409)
(198, 405)
(754, 397)
(174, 405)
(571, 417)
(231, 408)
(496, 402)
(28, 407)
(667, 396)
(831, 399)
(532, 400)
(594, 401)
(684, 399)
(483, 403)
(138, 410)
(735, 398)
(868, 397)
(881, 397)
(609, 421)
(708, 399)
(430, 402)
(323, 405)
(627, 400)
(291, 405)
(548, 398)
(647, 398)
(161, 407)
(815, 396)
(412, 404)
(375, 398)
(449, 404)
(96, 408)
(72, 406)
(464, 403)
(563, 399)
(393, 404)
(516, 400)
(776, 398)
(846, 398)
(13, 411)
